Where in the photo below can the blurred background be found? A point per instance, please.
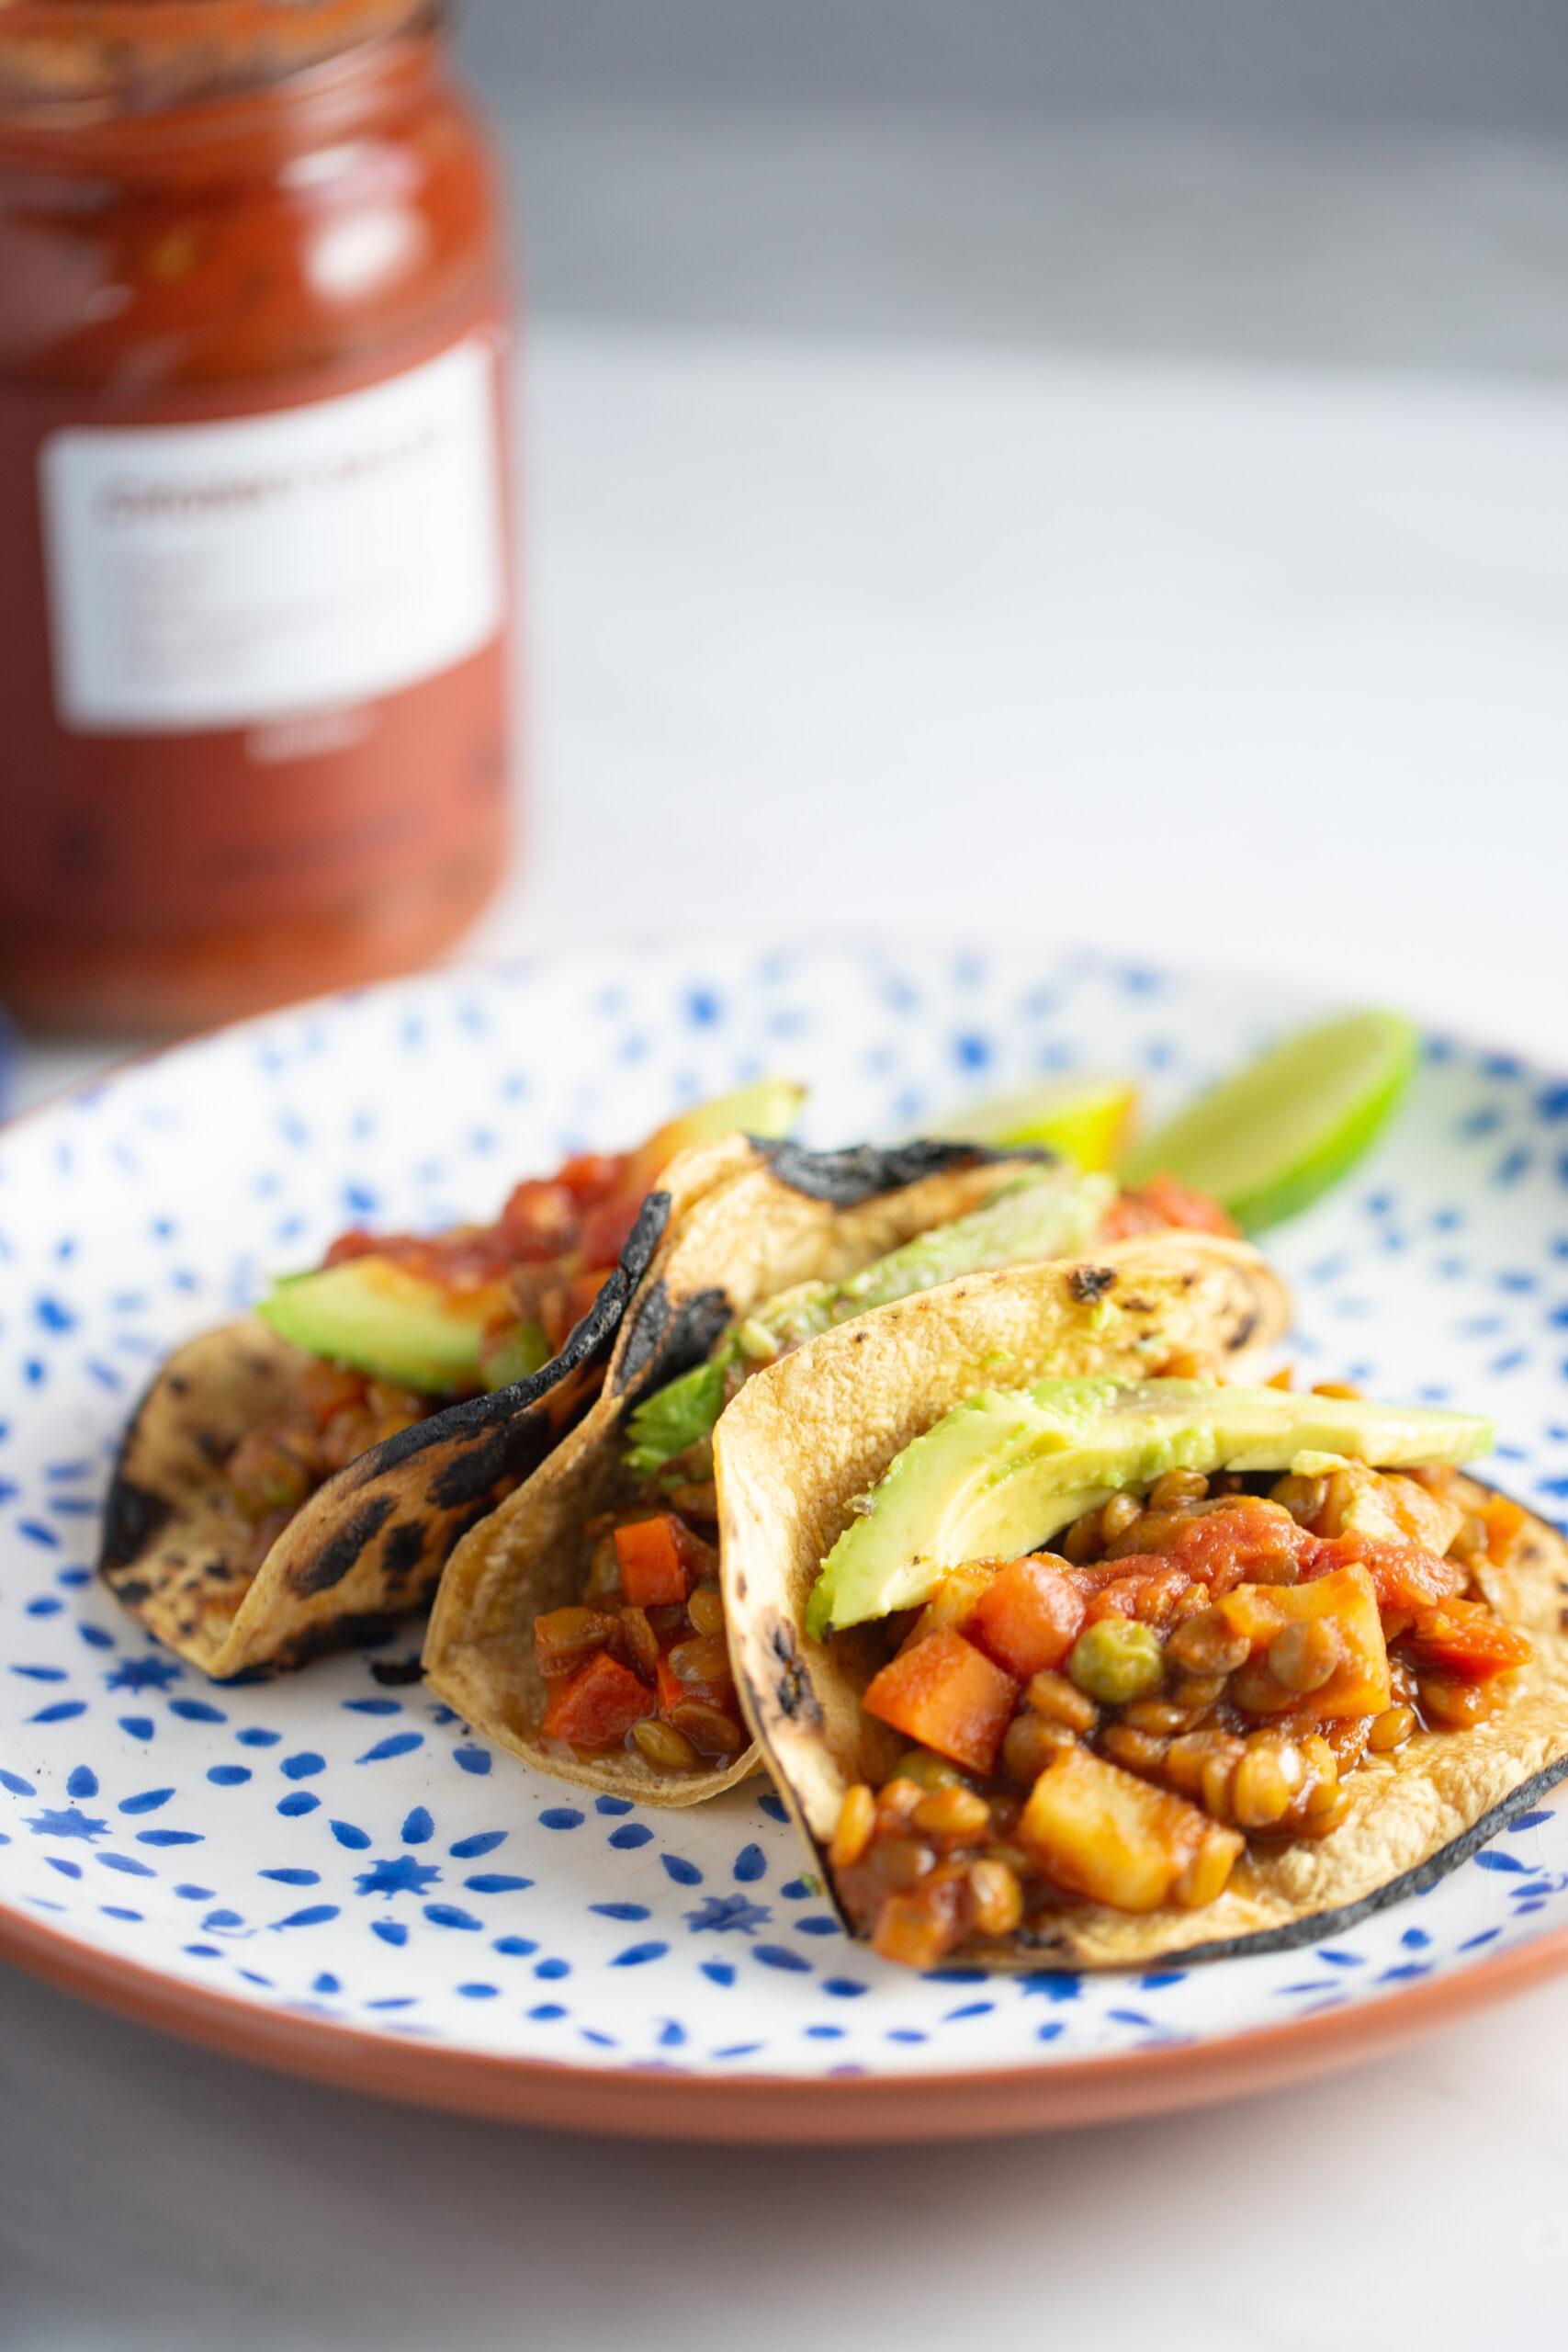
(980, 467)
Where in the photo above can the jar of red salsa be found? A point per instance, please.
(254, 537)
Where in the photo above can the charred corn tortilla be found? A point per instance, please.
(808, 1435)
(1178, 1294)
(369, 1545)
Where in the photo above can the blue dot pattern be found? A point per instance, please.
(323, 1846)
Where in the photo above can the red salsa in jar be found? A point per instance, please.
(254, 543)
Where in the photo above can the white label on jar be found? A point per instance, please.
(253, 568)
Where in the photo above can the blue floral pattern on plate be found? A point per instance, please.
(331, 1846)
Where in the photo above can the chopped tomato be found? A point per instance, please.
(1403, 1576)
(606, 1227)
(1162, 1203)
(599, 1705)
(354, 1243)
(1504, 1520)
(326, 1389)
(1463, 1639)
(949, 1696)
(1150, 1599)
(1177, 1204)
(539, 1220)
(1027, 1618)
(592, 1176)
(653, 1574)
(1216, 1547)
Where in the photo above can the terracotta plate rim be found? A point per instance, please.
(663, 2103)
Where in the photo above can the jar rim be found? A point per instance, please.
(74, 63)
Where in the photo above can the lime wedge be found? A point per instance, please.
(769, 1106)
(1269, 1140)
(1086, 1119)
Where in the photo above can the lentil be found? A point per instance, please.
(1030, 1743)
(1054, 1696)
(710, 1730)
(955, 1813)
(995, 1898)
(1140, 1751)
(1262, 1790)
(665, 1748)
(857, 1818)
(1121, 1512)
(1304, 1654)
(706, 1610)
(1177, 1487)
(1302, 1498)
(1391, 1729)
(930, 1772)
(1207, 1644)
(706, 1659)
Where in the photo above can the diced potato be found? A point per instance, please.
(1387, 1509)
(948, 1695)
(1346, 1599)
(1028, 1618)
(1102, 1832)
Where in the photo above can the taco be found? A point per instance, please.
(294, 1481)
(1097, 1672)
(582, 1625)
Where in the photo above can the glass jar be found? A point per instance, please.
(254, 549)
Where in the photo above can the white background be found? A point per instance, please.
(1260, 668)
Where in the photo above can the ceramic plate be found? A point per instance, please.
(339, 1876)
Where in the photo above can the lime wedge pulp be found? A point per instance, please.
(1267, 1141)
(1084, 1118)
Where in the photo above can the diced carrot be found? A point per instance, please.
(1027, 1618)
(649, 1551)
(949, 1696)
(599, 1705)
(1463, 1639)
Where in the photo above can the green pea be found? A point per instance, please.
(1117, 1661)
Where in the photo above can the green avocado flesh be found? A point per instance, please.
(1006, 1470)
(383, 1320)
(1048, 1215)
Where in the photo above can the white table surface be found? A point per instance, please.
(1259, 671)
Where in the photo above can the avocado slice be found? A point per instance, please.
(1003, 1472)
(1050, 1215)
(384, 1320)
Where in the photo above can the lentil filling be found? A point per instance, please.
(642, 1662)
(1197, 1672)
(647, 1668)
